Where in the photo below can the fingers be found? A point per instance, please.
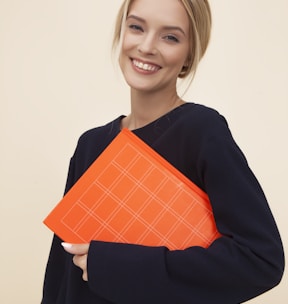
(78, 249)
(80, 252)
(81, 262)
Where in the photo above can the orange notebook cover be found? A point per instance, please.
(130, 194)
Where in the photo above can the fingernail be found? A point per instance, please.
(66, 245)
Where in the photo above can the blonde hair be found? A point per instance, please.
(200, 21)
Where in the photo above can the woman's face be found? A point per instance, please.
(155, 44)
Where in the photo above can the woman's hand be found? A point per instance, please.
(80, 252)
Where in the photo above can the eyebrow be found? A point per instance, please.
(167, 27)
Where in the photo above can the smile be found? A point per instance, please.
(145, 66)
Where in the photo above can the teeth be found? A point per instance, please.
(145, 66)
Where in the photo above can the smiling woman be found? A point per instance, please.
(159, 42)
(199, 15)
(154, 47)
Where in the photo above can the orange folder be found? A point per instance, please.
(130, 194)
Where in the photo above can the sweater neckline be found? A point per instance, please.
(150, 132)
(157, 121)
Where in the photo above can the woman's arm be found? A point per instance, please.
(247, 261)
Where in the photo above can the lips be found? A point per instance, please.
(148, 67)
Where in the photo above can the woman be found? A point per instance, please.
(161, 41)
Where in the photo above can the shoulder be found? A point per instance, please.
(92, 142)
(203, 120)
(99, 133)
(202, 113)
(207, 132)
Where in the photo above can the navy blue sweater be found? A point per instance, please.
(247, 261)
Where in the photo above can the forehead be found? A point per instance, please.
(166, 12)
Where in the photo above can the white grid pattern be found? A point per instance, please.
(106, 212)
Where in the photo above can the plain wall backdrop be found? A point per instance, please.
(57, 80)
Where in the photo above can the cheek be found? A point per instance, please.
(121, 61)
(123, 51)
(127, 43)
(176, 58)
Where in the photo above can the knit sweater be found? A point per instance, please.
(246, 261)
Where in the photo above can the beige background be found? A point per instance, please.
(57, 80)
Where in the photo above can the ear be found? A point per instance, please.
(184, 68)
(187, 62)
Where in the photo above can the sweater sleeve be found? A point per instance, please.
(245, 262)
(57, 261)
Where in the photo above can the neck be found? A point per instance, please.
(147, 107)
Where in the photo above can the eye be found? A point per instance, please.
(171, 38)
(135, 27)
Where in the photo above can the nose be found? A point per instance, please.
(148, 45)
